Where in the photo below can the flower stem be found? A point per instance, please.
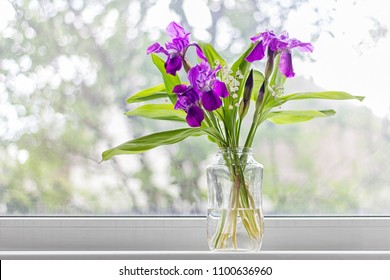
(261, 99)
(241, 204)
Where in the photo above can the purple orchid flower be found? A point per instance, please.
(205, 82)
(204, 90)
(278, 44)
(188, 100)
(176, 49)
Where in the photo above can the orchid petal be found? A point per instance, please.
(178, 89)
(285, 64)
(193, 75)
(284, 35)
(192, 95)
(156, 48)
(277, 45)
(256, 38)
(305, 47)
(173, 64)
(177, 44)
(211, 101)
(199, 52)
(175, 30)
(186, 96)
(195, 116)
(180, 104)
(220, 89)
(257, 53)
(267, 36)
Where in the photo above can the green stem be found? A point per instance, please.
(241, 203)
(261, 99)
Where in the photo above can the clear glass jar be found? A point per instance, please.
(235, 217)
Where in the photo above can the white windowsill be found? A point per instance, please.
(185, 238)
(195, 255)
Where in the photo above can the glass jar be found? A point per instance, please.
(235, 219)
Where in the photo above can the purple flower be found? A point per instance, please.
(188, 100)
(205, 82)
(204, 90)
(176, 49)
(282, 45)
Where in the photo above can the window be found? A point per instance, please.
(67, 67)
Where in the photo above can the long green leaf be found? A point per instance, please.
(214, 134)
(169, 80)
(277, 78)
(275, 86)
(258, 80)
(158, 112)
(335, 95)
(244, 67)
(292, 116)
(145, 143)
(152, 93)
(241, 63)
(212, 55)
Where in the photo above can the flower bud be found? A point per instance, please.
(260, 97)
(244, 106)
(186, 64)
(270, 64)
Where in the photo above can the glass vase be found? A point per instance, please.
(235, 219)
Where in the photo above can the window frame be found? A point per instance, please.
(59, 237)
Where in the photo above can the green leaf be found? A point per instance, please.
(258, 79)
(241, 63)
(158, 112)
(145, 143)
(213, 133)
(244, 67)
(152, 93)
(333, 95)
(277, 78)
(275, 86)
(169, 80)
(212, 55)
(292, 116)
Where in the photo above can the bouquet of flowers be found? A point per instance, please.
(215, 99)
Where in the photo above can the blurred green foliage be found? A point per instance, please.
(66, 70)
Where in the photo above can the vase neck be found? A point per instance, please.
(239, 155)
(238, 151)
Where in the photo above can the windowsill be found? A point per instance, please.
(185, 238)
(194, 255)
